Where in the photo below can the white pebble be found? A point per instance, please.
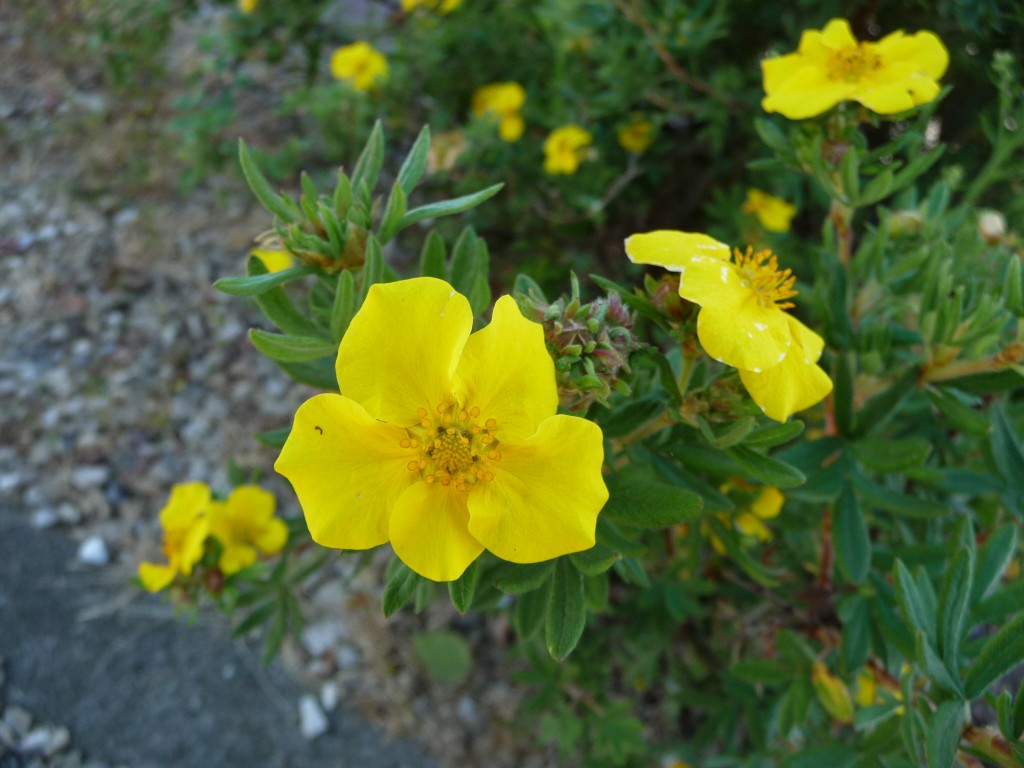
(329, 695)
(94, 551)
(312, 721)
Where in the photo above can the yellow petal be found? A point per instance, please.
(193, 546)
(887, 99)
(796, 383)
(428, 532)
(546, 493)
(235, 557)
(273, 537)
(187, 500)
(923, 50)
(806, 93)
(672, 249)
(768, 503)
(837, 34)
(511, 127)
(347, 469)
(274, 259)
(507, 373)
(867, 688)
(777, 70)
(155, 577)
(751, 525)
(400, 351)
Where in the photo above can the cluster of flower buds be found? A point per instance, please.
(590, 343)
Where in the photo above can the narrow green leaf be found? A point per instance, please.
(943, 734)
(516, 579)
(594, 561)
(463, 589)
(777, 434)
(529, 611)
(1006, 448)
(274, 438)
(935, 668)
(567, 612)
(1001, 652)
(286, 348)
(393, 213)
(734, 434)
(415, 162)
(317, 373)
(342, 195)
(401, 582)
(892, 456)
(370, 161)
(879, 408)
(762, 671)
(344, 306)
(278, 308)
(850, 537)
(766, 469)
(275, 632)
(900, 504)
(831, 755)
(449, 207)
(953, 599)
(1018, 712)
(650, 503)
(463, 261)
(373, 268)
(609, 534)
(433, 256)
(595, 591)
(910, 601)
(257, 284)
(256, 618)
(1006, 600)
(855, 613)
(260, 187)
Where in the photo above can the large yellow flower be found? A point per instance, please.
(444, 442)
(244, 524)
(743, 320)
(503, 101)
(774, 213)
(830, 66)
(360, 64)
(564, 149)
(186, 527)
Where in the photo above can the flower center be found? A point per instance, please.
(452, 446)
(852, 62)
(760, 272)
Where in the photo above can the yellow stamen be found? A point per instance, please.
(852, 62)
(761, 273)
(453, 455)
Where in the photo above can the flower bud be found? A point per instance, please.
(907, 222)
(992, 227)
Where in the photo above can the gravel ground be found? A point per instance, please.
(123, 372)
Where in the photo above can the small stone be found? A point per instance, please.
(227, 672)
(329, 695)
(322, 636)
(93, 551)
(9, 481)
(37, 740)
(346, 657)
(312, 721)
(466, 711)
(18, 719)
(89, 476)
(69, 514)
(44, 518)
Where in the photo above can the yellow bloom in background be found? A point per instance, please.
(636, 136)
(867, 688)
(186, 527)
(564, 149)
(442, 6)
(244, 524)
(274, 259)
(743, 320)
(445, 442)
(360, 64)
(832, 692)
(830, 66)
(247, 6)
(503, 101)
(766, 506)
(774, 213)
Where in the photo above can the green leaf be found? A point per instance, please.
(609, 534)
(278, 307)
(879, 408)
(1006, 448)
(1018, 712)
(910, 601)
(993, 557)
(728, 437)
(393, 213)
(317, 373)
(528, 614)
(594, 561)
(275, 633)
(953, 599)
(762, 671)
(274, 438)
(445, 655)
(253, 286)
(290, 349)
(900, 504)
(850, 537)
(260, 187)
(935, 668)
(777, 434)
(415, 162)
(567, 611)
(960, 414)
(855, 613)
(463, 589)
(256, 618)
(370, 161)
(650, 503)
(344, 307)
(433, 256)
(401, 583)
(943, 734)
(373, 268)
(449, 207)
(1006, 600)
(463, 263)
(342, 195)
(766, 469)
(831, 755)
(892, 456)
(595, 591)
(1001, 652)
(516, 579)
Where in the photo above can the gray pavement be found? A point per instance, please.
(140, 688)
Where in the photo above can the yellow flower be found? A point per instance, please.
(360, 64)
(442, 6)
(830, 66)
(765, 506)
(274, 259)
(867, 688)
(247, 6)
(502, 100)
(832, 693)
(186, 527)
(564, 149)
(636, 136)
(774, 213)
(445, 442)
(245, 523)
(743, 320)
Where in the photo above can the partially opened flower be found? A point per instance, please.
(245, 525)
(274, 259)
(830, 66)
(360, 64)
(444, 442)
(185, 527)
(564, 149)
(502, 101)
(441, 6)
(774, 213)
(743, 320)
